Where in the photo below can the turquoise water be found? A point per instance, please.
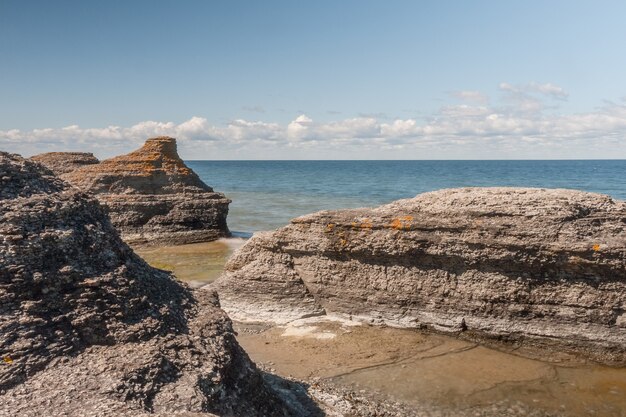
(266, 194)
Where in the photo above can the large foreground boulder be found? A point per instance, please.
(89, 329)
(151, 195)
(543, 267)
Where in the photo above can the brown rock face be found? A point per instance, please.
(87, 328)
(64, 162)
(154, 169)
(540, 267)
(153, 197)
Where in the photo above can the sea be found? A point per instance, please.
(267, 194)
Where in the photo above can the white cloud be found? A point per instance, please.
(299, 128)
(520, 127)
(471, 96)
(529, 98)
(464, 110)
(547, 89)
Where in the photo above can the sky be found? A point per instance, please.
(340, 79)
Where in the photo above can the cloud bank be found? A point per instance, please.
(524, 123)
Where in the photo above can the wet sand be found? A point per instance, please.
(434, 371)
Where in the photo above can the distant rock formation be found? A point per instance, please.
(151, 195)
(542, 267)
(64, 162)
(89, 329)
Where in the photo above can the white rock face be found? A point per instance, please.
(542, 267)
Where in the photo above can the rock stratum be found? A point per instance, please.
(532, 266)
(65, 162)
(88, 328)
(151, 196)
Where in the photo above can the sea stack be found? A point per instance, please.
(530, 266)
(89, 329)
(151, 195)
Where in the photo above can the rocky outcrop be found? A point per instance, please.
(87, 328)
(541, 267)
(152, 197)
(65, 162)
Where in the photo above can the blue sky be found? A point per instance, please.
(316, 79)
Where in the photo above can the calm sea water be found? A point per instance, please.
(266, 194)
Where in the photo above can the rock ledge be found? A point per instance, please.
(534, 266)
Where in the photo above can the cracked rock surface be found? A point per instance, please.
(538, 267)
(88, 328)
(151, 196)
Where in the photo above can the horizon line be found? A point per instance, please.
(402, 160)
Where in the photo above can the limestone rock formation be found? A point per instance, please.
(64, 162)
(153, 197)
(541, 267)
(87, 328)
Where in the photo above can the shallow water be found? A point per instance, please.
(435, 371)
(197, 264)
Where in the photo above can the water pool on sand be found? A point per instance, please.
(437, 373)
(197, 264)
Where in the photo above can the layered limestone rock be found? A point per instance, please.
(65, 162)
(542, 267)
(87, 328)
(152, 197)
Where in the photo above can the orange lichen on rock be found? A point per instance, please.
(362, 224)
(366, 223)
(401, 223)
(343, 238)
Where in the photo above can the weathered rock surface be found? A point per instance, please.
(542, 267)
(151, 195)
(64, 162)
(87, 328)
